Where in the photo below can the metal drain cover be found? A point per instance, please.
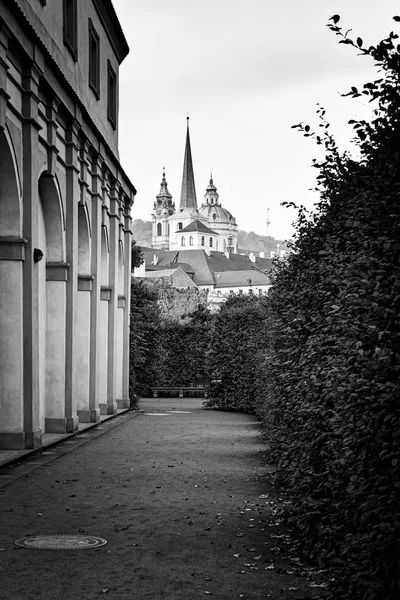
(61, 542)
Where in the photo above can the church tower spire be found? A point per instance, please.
(188, 192)
(162, 210)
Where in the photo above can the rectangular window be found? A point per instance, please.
(94, 60)
(70, 27)
(112, 96)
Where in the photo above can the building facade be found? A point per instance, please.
(65, 223)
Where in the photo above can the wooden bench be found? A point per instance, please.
(181, 390)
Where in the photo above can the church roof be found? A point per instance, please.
(188, 191)
(197, 226)
(163, 193)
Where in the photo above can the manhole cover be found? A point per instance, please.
(61, 542)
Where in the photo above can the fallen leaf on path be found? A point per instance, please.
(271, 566)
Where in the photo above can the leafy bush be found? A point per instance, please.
(233, 354)
(319, 359)
(331, 401)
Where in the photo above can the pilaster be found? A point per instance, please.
(127, 229)
(72, 199)
(113, 301)
(31, 168)
(97, 182)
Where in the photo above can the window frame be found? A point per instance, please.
(111, 95)
(94, 69)
(159, 229)
(183, 241)
(70, 27)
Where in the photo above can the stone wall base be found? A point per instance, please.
(108, 409)
(89, 416)
(64, 425)
(123, 403)
(20, 440)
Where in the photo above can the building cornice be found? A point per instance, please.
(113, 29)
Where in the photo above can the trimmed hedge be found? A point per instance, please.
(328, 344)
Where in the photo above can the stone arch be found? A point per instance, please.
(105, 254)
(52, 279)
(10, 189)
(121, 262)
(53, 212)
(84, 235)
(12, 254)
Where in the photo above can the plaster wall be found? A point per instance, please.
(103, 351)
(82, 356)
(11, 357)
(55, 349)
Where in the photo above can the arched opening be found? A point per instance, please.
(183, 241)
(83, 316)
(54, 218)
(211, 242)
(84, 254)
(202, 240)
(11, 299)
(10, 192)
(104, 316)
(191, 240)
(104, 256)
(159, 229)
(52, 277)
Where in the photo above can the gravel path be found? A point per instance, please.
(181, 495)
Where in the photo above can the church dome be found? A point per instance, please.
(212, 210)
(216, 214)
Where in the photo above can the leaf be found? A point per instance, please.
(359, 42)
(335, 18)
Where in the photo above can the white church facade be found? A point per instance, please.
(190, 227)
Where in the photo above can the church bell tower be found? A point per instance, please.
(162, 210)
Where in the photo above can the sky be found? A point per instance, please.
(244, 71)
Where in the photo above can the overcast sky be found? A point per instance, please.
(245, 71)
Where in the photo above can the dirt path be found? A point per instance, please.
(182, 499)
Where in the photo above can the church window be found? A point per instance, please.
(180, 225)
(214, 216)
(183, 241)
(191, 240)
(211, 242)
(202, 240)
(70, 27)
(94, 60)
(159, 232)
